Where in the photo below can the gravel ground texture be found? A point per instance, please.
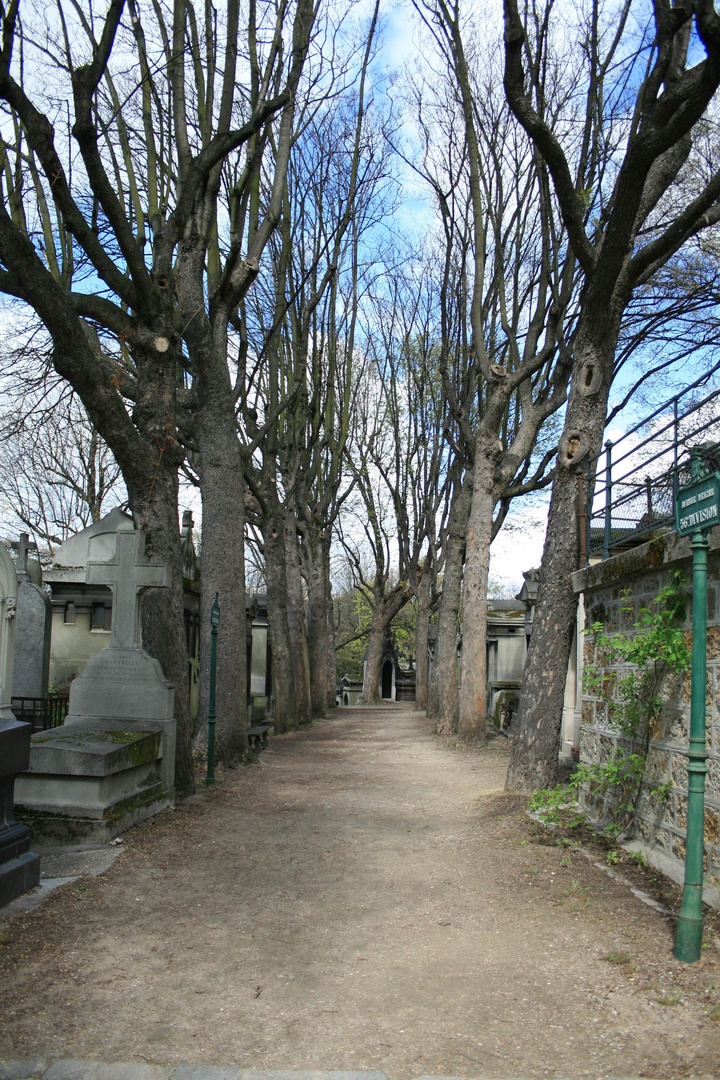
(366, 896)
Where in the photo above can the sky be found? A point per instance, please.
(519, 545)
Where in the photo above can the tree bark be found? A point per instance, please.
(536, 743)
(473, 677)
(422, 626)
(223, 572)
(446, 648)
(283, 680)
(162, 609)
(433, 702)
(296, 621)
(385, 611)
(321, 644)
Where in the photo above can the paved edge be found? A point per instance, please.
(72, 1069)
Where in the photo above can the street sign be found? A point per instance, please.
(697, 506)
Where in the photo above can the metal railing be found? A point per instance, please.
(637, 477)
(42, 713)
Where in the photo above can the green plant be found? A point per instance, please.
(556, 806)
(638, 855)
(577, 897)
(612, 857)
(626, 680)
(670, 998)
(622, 959)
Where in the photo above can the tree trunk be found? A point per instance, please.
(376, 639)
(283, 680)
(473, 677)
(320, 625)
(422, 626)
(536, 744)
(330, 634)
(163, 631)
(385, 611)
(433, 702)
(223, 572)
(296, 621)
(446, 647)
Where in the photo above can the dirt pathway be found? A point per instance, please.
(366, 897)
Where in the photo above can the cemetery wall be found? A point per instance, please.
(631, 580)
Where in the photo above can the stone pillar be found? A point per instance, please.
(19, 867)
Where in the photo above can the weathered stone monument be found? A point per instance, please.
(113, 761)
(32, 627)
(19, 867)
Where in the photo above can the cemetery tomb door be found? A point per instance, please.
(387, 680)
(192, 638)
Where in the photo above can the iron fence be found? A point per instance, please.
(633, 483)
(42, 713)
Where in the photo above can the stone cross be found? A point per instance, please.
(128, 575)
(23, 546)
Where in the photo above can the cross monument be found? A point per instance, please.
(23, 546)
(129, 574)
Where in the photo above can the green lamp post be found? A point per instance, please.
(697, 507)
(214, 623)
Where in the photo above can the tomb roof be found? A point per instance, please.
(97, 542)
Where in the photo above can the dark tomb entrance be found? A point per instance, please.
(387, 674)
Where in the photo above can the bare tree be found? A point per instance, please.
(121, 188)
(624, 224)
(511, 324)
(56, 473)
(297, 429)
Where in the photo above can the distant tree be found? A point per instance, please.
(57, 475)
(353, 616)
(296, 412)
(507, 293)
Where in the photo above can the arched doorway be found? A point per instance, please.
(386, 690)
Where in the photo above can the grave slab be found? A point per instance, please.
(112, 763)
(89, 782)
(32, 642)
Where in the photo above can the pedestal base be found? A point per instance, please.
(19, 867)
(91, 780)
(18, 876)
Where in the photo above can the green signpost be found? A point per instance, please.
(697, 509)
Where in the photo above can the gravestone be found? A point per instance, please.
(113, 761)
(123, 680)
(19, 867)
(32, 630)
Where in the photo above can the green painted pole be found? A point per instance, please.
(689, 931)
(214, 623)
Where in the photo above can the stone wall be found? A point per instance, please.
(632, 580)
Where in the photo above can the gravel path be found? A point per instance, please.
(366, 897)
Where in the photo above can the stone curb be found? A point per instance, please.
(72, 1069)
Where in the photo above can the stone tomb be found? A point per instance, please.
(113, 761)
(19, 867)
(32, 630)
